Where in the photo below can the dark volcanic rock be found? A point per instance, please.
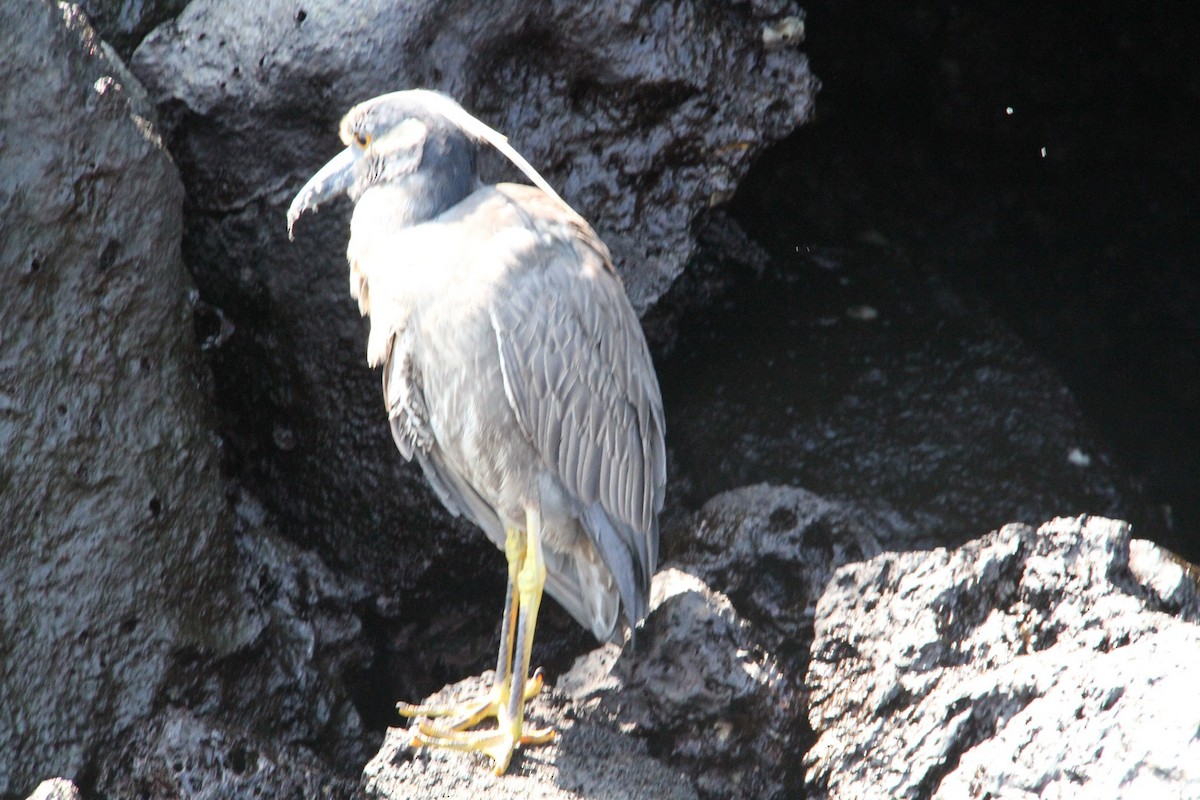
(114, 551)
(772, 549)
(715, 686)
(180, 755)
(123, 23)
(880, 387)
(641, 115)
(707, 694)
(273, 718)
(1056, 662)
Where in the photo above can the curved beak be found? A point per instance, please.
(333, 179)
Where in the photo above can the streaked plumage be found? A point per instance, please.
(514, 368)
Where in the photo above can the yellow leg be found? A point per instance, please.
(459, 716)
(515, 543)
(506, 700)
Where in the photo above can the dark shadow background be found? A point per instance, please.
(1044, 160)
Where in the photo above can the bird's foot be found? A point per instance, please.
(497, 743)
(463, 715)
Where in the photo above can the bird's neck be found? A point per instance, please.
(415, 198)
(446, 176)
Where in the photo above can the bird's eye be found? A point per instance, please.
(363, 139)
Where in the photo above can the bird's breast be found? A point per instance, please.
(436, 283)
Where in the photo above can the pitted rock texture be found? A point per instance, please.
(114, 553)
(1026, 663)
(697, 709)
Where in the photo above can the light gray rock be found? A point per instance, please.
(1121, 724)
(114, 545)
(590, 757)
(1026, 663)
(56, 789)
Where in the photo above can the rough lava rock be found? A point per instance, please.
(178, 754)
(123, 23)
(1060, 662)
(697, 710)
(772, 549)
(713, 689)
(113, 523)
(590, 757)
(145, 621)
(705, 692)
(273, 718)
(641, 114)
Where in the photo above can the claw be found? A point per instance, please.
(446, 726)
(498, 744)
(468, 713)
(512, 685)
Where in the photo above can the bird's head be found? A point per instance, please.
(418, 141)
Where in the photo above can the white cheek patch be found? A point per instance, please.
(400, 148)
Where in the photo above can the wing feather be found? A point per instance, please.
(579, 377)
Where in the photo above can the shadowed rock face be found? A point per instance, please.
(640, 114)
(881, 386)
(114, 549)
(123, 23)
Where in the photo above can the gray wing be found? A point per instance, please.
(579, 377)
(408, 417)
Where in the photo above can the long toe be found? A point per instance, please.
(468, 713)
(498, 744)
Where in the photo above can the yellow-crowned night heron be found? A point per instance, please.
(514, 371)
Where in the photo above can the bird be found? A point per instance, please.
(515, 373)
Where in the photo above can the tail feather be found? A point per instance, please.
(628, 571)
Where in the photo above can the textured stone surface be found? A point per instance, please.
(273, 718)
(707, 694)
(639, 113)
(714, 689)
(772, 549)
(590, 757)
(114, 551)
(177, 754)
(123, 23)
(56, 789)
(699, 709)
(1026, 663)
